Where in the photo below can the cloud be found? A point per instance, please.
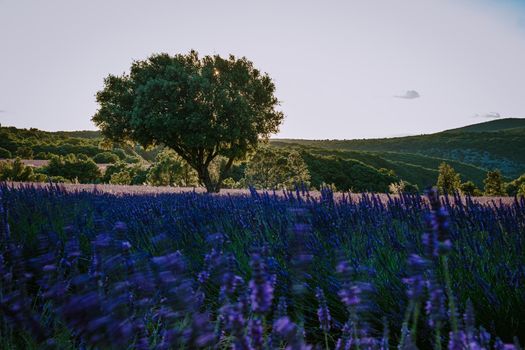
(490, 115)
(409, 94)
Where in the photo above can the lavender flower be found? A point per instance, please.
(256, 334)
(323, 313)
(416, 281)
(435, 304)
(261, 286)
(289, 331)
(282, 308)
(236, 325)
(439, 220)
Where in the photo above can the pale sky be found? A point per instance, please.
(343, 69)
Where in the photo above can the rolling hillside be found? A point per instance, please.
(495, 144)
(418, 169)
(471, 150)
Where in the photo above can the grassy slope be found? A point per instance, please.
(471, 150)
(415, 168)
(496, 144)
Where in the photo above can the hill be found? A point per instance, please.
(37, 144)
(369, 164)
(496, 144)
(491, 126)
(417, 169)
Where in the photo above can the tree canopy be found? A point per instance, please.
(202, 108)
(494, 184)
(273, 168)
(170, 170)
(448, 180)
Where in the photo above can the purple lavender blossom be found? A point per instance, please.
(416, 280)
(323, 313)
(261, 286)
(435, 304)
(256, 334)
(236, 325)
(439, 220)
(457, 341)
(291, 334)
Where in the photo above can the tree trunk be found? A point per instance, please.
(205, 179)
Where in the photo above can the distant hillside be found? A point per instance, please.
(496, 144)
(491, 126)
(418, 169)
(37, 144)
(358, 164)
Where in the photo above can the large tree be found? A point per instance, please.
(202, 108)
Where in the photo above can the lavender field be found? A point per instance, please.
(89, 269)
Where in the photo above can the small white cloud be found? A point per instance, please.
(409, 94)
(490, 115)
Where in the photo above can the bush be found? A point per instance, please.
(230, 183)
(272, 168)
(402, 187)
(58, 179)
(494, 184)
(170, 169)
(5, 154)
(74, 168)
(24, 152)
(448, 180)
(469, 188)
(136, 174)
(105, 158)
(16, 171)
(120, 153)
(132, 160)
(521, 191)
(514, 186)
(121, 178)
(43, 155)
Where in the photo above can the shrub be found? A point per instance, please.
(448, 180)
(494, 184)
(16, 171)
(58, 179)
(43, 155)
(402, 187)
(470, 188)
(272, 168)
(521, 191)
(514, 186)
(105, 158)
(170, 169)
(230, 183)
(74, 168)
(24, 152)
(121, 178)
(136, 173)
(4, 154)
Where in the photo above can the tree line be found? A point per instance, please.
(268, 168)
